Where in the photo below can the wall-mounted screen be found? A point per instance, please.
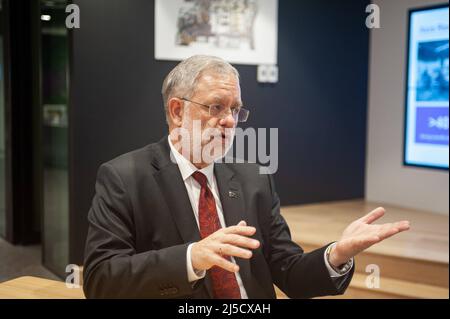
(426, 117)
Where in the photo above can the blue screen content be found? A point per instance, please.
(426, 131)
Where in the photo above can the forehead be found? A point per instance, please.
(220, 85)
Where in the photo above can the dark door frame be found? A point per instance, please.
(21, 97)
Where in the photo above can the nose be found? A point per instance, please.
(228, 121)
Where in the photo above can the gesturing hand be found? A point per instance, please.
(228, 241)
(360, 235)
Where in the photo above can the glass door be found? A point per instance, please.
(54, 94)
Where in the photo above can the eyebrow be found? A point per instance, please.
(218, 99)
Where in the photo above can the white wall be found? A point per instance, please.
(387, 180)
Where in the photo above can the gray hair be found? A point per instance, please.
(182, 80)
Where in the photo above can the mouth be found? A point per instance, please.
(218, 137)
(221, 137)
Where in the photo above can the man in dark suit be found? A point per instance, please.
(172, 221)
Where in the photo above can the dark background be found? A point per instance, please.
(318, 105)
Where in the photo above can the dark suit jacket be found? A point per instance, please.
(141, 223)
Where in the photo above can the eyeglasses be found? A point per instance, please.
(239, 114)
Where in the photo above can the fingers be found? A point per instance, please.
(230, 250)
(379, 233)
(241, 241)
(390, 229)
(224, 263)
(373, 215)
(403, 225)
(241, 230)
(242, 223)
(230, 241)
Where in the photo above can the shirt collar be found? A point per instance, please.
(187, 168)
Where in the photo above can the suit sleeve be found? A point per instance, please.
(296, 273)
(112, 268)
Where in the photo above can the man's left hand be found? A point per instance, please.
(361, 234)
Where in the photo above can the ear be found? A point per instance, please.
(176, 109)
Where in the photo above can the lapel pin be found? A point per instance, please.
(232, 194)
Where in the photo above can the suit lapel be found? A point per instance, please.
(174, 191)
(172, 186)
(176, 197)
(232, 199)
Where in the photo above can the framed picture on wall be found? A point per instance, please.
(239, 31)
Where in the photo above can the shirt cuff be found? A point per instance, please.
(192, 274)
(331, 271)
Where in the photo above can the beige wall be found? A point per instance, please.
(387, 180)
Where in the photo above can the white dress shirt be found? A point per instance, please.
(193, 189)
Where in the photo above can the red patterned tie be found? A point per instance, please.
(224, 282)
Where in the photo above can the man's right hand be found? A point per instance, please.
(230, 241)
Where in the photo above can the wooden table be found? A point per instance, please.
(38, 288)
